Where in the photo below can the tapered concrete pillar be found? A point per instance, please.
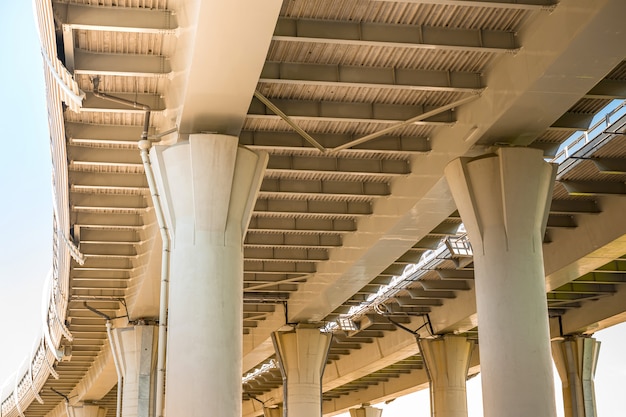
(208, 186)
(503, 200)
(135, 347)
(366, 411)
(576, 358)
(88, 410)
(302, 357)
(447, 361)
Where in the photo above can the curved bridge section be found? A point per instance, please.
(359, 106)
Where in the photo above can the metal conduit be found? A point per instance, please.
(144, 147)
(120, 380)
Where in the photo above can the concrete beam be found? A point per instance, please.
(115, 19)
(372, 77)
(323, 187)
(83, 132)
(347, 111)
(495, 4)
(125, 65)
(219, 55)
(91, 103)
(269, 140)
(369, 167)
(405, 36)
(608, 90)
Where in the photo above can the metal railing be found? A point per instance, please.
(583, 138)
(24, 387)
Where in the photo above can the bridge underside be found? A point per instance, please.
(360, 105)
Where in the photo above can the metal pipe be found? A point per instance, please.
(120, 382)
(144, 146)
(129, 103)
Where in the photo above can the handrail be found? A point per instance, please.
(584, 138)
(30, 379)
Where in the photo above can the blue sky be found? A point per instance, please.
(25, 184)
(26, 221)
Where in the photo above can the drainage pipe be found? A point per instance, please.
(144, 146)
(120, 381)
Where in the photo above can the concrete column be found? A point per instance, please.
(504, 199)
(208, 187)
(576, 358)
(136, 351)
(89, 410)
(366, 411)
(302, 357)
(447, 361)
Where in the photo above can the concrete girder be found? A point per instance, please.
(347, 111)
(594, 188)
(312, 207)
(269, 140)
(560, 220)
(365, 166)
(129, 65)
(574, 207)
(608, 90)
(407, 36)
(496, 4)
(256, 237)
(302, 224)
(214, 80)
(99, 202)
(285, 254)
(600, 278)
(108, 156)
(276, 186)
(370, 77)
(92, 103)
(260, 267)
(610, 165)
(573, 121)
(87, 133)
(115, 19)
(111, 180)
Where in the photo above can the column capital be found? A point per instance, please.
(208, 186)
(447, 359)
(89, 410)
(366, 411)
(302, 355)
(507, 192)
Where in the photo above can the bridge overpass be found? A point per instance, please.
(352, 110)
